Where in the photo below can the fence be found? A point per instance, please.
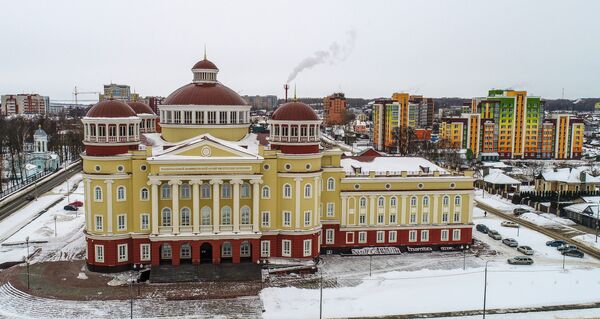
(28, 181)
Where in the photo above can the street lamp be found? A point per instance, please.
(27, 260)
(464, 249)
(370, 263)
(321, 295)
(130, 296)
(485, 288)
(54, 225)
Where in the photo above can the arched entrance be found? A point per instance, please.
(166, 253)
(246, 252)
(226, 252)
(206, 253)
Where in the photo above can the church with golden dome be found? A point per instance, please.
(193, 185)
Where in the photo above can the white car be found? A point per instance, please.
(508, 223)
(525, 250)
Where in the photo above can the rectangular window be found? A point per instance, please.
(362, 237)
(393, 218)
(425, 218)
(457, 217)
(392, 236)
(265, 248)
(380, 218)
(444, 235)
(121, 222)
(187, 117)
(145, 252)
(424, 235)
(99, 258)
(122, 252)
(412, 236)
(199, 117)
(176, 117)
(233, 117)
(98, 223)
(307, 218)
(212, 117)
(223, 117)
(144, 221)
(329, 236)
(330, 209)
(456, 234)
(307, 247)
(350, 238)
(445, 217)
(286, 248)
(362, 219)
(287, 219)
(266, 219)
(380, 236)
(413, 218)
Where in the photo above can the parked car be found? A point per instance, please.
(77, 203)
(70, 207)
(525, 250)
(520, 260)
(573, 253)
(482, 228)
(508, 223)
(555, 243)
(29, 197)
(566, 247)
(510, 242)
(520, 211)
(494, 234)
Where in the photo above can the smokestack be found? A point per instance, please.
(286, 87)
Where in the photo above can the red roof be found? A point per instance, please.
(111, 108)
(140, 108)
(204, 94)
(205, 64)
(294, 111)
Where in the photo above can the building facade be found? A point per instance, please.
(262, 102)
(114, 91)
(205, 190)
(24, 104)
(334, 107)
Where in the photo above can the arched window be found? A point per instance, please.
(393, 201)
(380, 201)
(166, 216)
(185, 216)
(205, 191)
(185, 191)
(266, 192)
(287, 191)
(226, 215)
(425, 201)
(413, 201)
(363, 202)
(186, 251)
(98, 193)
(165, 191)
(307, 191)
(245, 249)
(205, 215)
(245, 190)
(226, 190)
(457, 200)
(245, 214)
(121, 193)
(144, 194)
(226, 249)
(446, 201)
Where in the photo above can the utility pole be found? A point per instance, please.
(485, 288)
(321, 295)
(27, 259)
(54, 225)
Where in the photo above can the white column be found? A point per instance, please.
(216, 204)
(298, 214)
(403, 210)
(109, 204)
(372, 210)
(255, 203)
(195, 205)
(236, 204)
(316, 192)
(436, 214)
(88, 199)
(154, 195)
(344, 211)
(470, 213)
(175, 204)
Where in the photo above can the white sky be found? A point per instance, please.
(435, 48)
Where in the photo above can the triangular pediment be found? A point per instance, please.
(207, 146)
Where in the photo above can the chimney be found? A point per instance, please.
(286, 87)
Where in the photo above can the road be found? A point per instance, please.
(19, 202)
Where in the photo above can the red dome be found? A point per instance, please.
(294, 111)
(111, 108)
(204, 94)
(140, 108)
(204, 64)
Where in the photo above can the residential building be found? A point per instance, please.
(334, 107)
(120, 92)
(567, 179)
(153, 102)
(206, 190)
(262, 102)
(24, 104)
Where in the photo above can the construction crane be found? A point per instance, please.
(76, 93)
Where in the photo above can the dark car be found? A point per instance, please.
(573, 253)
(70, 207)
(76, 203)
(482, 228)
(29, 197)
(520, 211)
(555, 243)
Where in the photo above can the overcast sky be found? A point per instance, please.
(368, 48)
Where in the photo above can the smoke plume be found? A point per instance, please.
(336, 53)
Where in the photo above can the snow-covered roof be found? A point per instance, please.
(570, 175)
(39, 132)
(591, 199)
(392, 164)
(495, 164)
(584, 208)
(497, 177)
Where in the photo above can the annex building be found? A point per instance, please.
(192, 185)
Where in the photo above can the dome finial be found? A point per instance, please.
(295, 98)
(204, 51)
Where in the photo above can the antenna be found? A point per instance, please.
(204, 51)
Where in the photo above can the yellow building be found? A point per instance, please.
(205, 190)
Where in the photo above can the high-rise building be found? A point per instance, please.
(24, 104)
(153, 102)
(334, 107)
(262, 102)
(114, 91)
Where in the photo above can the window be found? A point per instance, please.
(145, 252)
(186, 251)
(393, 218)
(212, 117)
(226, 190)
(144, 194)
(121, 193)
(266, 219)
(245, 215)
(205, 215)
(245, 190)
(122, 251)
(425, 218)
(166, 216)
(287, 191)
(286, 248)
(226, 249)
(98, 225)
(380, 202)
(444, 235)
(330, 184)
(362, 237)
(166, 252)
(99, 256)
(205, 191)
(329, 236)
(362, 219)
(349, 237)
(165, 191)
(392, 236)
(185, 191)
(287, 219)
(380, 236)
(412, 236)
(424, 235)
(307, 247)
(266, 192)
(380, 218)
(413, 201)
(456, 234)
(363, 202)
(121, 223)
(425, 201)
(185, 216)
(307, 218)
(445, 201)
(98, 194)
(413, 218)
(307, 191)
(330, 209)
(393, 202)
(144, 221)
(445, 217)
(265, 248)
(456, 217)
(226, 215)
(457, 201)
